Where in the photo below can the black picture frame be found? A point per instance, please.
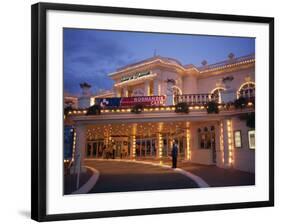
(39, 122)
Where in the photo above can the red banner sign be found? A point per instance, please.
(142, 100)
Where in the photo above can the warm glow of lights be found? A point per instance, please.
(230, 146)
(188, 152)
(74, 145)
(160, 146)
(133, 143)
(221, 142)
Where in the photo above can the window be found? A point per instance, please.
(237, 139)
(247, 90)
(251, 138)
(204, 138)
(216, 94)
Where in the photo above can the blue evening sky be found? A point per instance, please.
(90, 55)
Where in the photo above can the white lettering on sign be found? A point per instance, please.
(134, 76)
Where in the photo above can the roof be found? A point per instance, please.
(201, 69)
(166, 59)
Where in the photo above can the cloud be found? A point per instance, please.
(89, 56)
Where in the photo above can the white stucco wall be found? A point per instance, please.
(244, 157)
(190, 84)
(208, 83)
(198, 155)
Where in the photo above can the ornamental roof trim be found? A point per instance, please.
(201, 69)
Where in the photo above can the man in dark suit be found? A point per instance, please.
(174, 155)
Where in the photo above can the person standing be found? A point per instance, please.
(174, 155)
(113, 150)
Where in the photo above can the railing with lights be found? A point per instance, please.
(195, 99)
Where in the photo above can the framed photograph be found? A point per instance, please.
(251, 139)
(237, 139)
(134, 111)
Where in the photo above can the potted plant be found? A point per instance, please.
(240, 103)
(212, 107)
(137, 109)
(94, 110)
(67, 109)
(182, 108)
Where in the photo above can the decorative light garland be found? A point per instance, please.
(188, 151)
(230, 143)
(221, 142)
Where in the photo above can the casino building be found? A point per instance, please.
(209, 110)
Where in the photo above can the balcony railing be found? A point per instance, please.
(198, 99)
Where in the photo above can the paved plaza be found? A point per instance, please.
(142, 175)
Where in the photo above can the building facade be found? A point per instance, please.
(139, 117)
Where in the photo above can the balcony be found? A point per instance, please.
(196, 99)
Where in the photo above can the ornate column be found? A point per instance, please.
(125, 91)
(147, 88)
(156, 87)
(133, 147)
(228, 157)
(159, 145)
(219, 144)
(187, 151)
(169, 92)
(118, 92)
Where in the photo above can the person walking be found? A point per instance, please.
(174, 155)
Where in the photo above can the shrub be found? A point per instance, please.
(137, 109)
(182, 108)
(67, 109)
(94, 110)
(240, 103)
(212, 107)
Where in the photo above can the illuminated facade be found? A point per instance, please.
(159, 86)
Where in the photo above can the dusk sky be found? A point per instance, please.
(90, 55)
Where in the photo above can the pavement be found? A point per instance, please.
(70, 181)
(150, 174)
(213, 175)
(116, 176)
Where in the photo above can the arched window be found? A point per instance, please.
(216, 94)
(246, 90)
(176, 90)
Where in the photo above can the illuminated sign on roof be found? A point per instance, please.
(135, 76)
